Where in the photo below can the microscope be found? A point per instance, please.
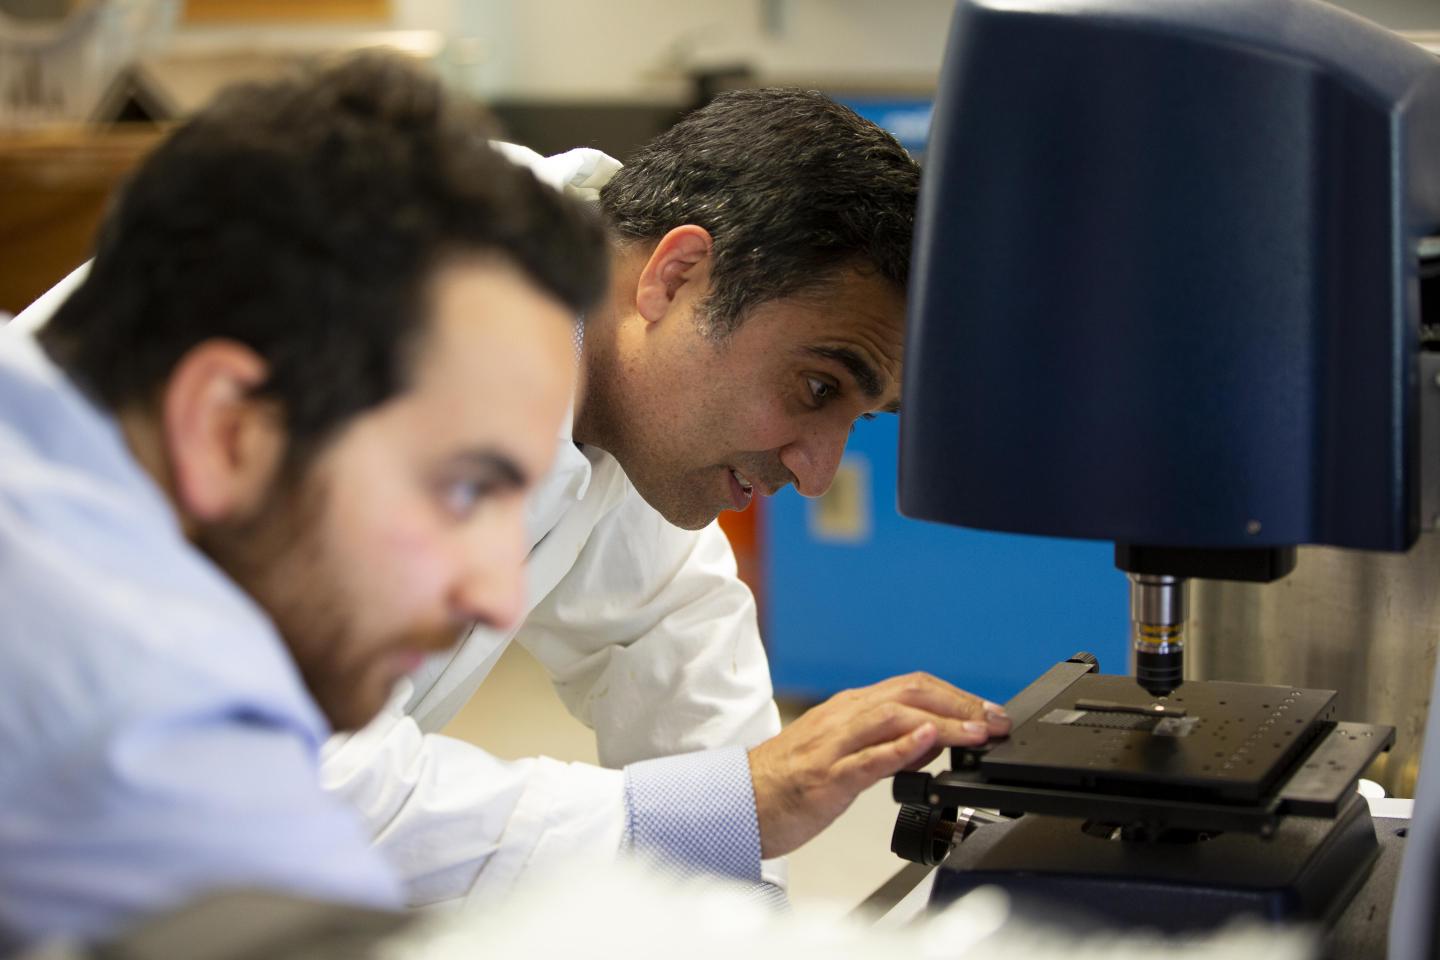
(1177, 287)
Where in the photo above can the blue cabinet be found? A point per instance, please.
(854, 592)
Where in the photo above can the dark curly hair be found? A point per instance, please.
(792, 187)
(305, 218)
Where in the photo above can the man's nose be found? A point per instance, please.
(814, 458)
(490, 584)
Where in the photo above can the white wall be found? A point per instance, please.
(1397, 14)
(642, 49)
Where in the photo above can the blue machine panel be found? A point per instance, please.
(907, 119)
(855, 592)
(1183, 268)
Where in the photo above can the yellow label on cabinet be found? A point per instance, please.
(843, 513)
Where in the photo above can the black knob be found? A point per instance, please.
(910, 786)
(1083, 657)
(923, 834)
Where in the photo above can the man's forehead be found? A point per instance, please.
(495, 369)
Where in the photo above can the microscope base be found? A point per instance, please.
(1309, 871)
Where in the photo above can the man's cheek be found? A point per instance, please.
(410, 569)
(763, 430)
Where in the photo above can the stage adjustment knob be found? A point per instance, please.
(923, 834)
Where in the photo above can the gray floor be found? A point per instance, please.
(517, 714)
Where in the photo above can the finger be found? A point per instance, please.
(866, 767)
(935, 696)
(920, 678)
(889, 720)
(926, 760)
(996, 719)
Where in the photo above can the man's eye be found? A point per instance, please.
(820, 391)
(461, 497)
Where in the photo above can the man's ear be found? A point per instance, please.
(223, 444)
(679, 263)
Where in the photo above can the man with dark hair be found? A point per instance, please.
(755, 311)
(796, 208)
(271, 453)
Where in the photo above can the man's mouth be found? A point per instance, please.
(406, 661)
(741, 490)
(417, 647)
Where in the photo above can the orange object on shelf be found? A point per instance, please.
(743, 529)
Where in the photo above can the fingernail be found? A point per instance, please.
(975, 729)
(997, 719)
(993, 708)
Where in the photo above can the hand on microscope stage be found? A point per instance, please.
(810, 772)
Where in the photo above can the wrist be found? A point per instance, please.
(771, 802)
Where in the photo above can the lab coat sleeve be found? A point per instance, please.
(651, 640)
(457, 823)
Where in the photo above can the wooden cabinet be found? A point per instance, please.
(55, 186)
(233, 11)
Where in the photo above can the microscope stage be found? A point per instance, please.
(1216, 757)
(1233, 741)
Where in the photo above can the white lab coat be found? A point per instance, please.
(647, 633)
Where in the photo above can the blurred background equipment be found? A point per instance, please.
(87, 87)
(60, 60)
(62, 66)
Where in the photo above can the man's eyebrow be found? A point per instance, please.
(505, 469)
(866, 376)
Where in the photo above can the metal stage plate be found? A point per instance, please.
(1240, 758)
(1234, 743)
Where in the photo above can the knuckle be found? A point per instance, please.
(892, 758)
(888, 713)
(914, 683)
(863, 769)
(812, 782)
